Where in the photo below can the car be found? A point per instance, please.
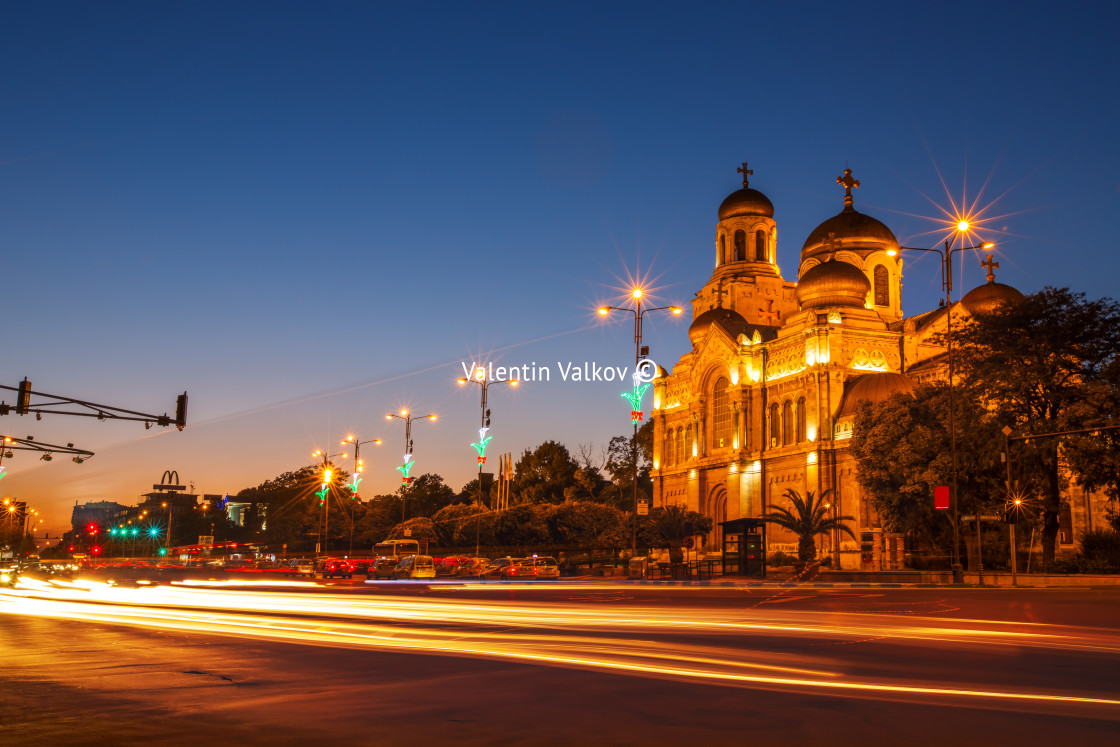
(501, 568)
(449, 566)
(541, 568)
(362, 565)
(302, 567)
(383, 567)
(337, 568)
(471, 567)
(415, 566)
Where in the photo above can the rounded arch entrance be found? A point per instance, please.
(715, 507)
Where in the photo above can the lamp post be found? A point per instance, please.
(170, 510)
(479, 377)
(947, 283)
(328, 473)
(638, 313)
(404, 469)
(352, 439)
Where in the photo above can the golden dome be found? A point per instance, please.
(832, 283)
(850, 229)
(732, 322)
(986, 298)
(746, 201)
(874, 388)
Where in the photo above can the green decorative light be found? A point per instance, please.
(354, 485)
(634, 397)
(480, 447)
(323, 493)
(2, 472)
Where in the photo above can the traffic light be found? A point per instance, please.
(181, 411)
(23, 399)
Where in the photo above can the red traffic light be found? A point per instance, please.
(96, 550)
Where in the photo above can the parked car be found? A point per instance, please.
(416, 566)
(449, 566)
(501, 568)
(471, 567)
(543, 568)
(303, 567)
(337, 568)
(383, 567)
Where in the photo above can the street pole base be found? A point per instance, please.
(958, 574)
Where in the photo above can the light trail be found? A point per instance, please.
(605, 638)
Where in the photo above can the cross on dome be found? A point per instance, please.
(831, 244)
(848, 183)
(745, 172)
(990, 265)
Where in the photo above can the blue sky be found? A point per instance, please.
(307, 215)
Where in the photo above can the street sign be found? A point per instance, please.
(169, 487)
(689, 542)
(643, 508)
(941, 497)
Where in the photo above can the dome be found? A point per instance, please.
(731, 321)
(986, 298)
(874, 388)
(832, 283)
(852, 230)
(746, 201)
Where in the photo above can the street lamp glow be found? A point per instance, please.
(514, 382)
(480, 374)
(404, 413)
(637, 293)
(987, 245)
(962, 226)
(431, 417)
(676, 310)
(892, 252)
(462, 381)
(604, 310)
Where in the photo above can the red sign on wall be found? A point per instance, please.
(941, 497)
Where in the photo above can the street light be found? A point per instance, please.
(947, 283)
(405, 468)
(479, 378)
(324, 490)
(638, 313)
(352, 439)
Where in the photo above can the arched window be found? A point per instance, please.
(760, 253)
(688, 442)
(721, 415)
(787, 422)
(801, 436)
(722, 249)
(775, 425)
(740, 246)
(680, 446)
(667, 449)
(882, 286)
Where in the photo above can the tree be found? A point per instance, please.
(620, 466)
(807, 518)
(588, 525)
(426, 494)
(542, 475)
(1034, 362)
(668, 527)
(903, 448)
(293, 511)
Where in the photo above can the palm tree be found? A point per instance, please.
(807, 519)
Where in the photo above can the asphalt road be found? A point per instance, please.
(413, 664)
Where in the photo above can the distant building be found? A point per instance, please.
(101, 513)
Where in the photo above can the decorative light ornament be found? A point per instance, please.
(635, 396)
(406, 468)
(480, 447)
(2, 472)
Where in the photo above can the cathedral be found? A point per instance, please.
(766, 398)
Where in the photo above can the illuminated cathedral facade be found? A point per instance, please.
(766, 398)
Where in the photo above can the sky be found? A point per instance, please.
(308, 215)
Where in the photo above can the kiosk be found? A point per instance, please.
(744, 547)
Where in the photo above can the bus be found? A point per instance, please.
(396, 548)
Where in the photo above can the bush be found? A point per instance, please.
(780, 558)
(1100, 550)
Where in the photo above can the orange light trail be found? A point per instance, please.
(525, 632)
